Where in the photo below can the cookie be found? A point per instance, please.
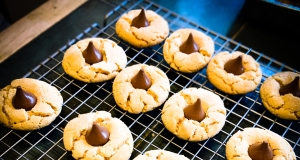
(130, 97)
(29, 104)
(281, 103)
(238, 145)
(188, 50)
(176, 120)
(235, 73)
(151, 28)
(160, 155)
(119, 144)
(94, 60)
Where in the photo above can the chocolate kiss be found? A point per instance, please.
(97, 135)
(260, 151)
(140, 20)
(292, 88)
(194, 111)
(23, 99)
(141, 80)
(91, 54)
(189, 46)
(235, 66)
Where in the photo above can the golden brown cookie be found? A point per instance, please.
(234, 83)
(282, 105)
(118, 147)
(195, 59)
(176, 121)
(160, 155)
(142, 37)
(45, 108)
(238, 145)
(137, 100)
(76, 65)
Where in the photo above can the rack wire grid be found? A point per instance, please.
(147, 129)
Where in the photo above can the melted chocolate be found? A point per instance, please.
(91, 54)
(235, 66)
(141, 80)
(97, 135)
(260, 151)
(140, 20)
(189, 46)
(292, 87)
(194, 111)
(23, 99)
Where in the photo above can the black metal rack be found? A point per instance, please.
(147, 129)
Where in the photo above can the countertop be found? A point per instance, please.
(233, 19)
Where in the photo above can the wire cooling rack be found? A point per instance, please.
(147, 129)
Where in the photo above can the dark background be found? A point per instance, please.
(268, 28)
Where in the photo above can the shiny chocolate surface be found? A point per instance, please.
(91, 54)
(194, 111)
(97, 135)
(23, 99)
(235, 66)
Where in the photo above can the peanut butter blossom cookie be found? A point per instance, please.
(29, 104)
(140, 88)
(97, 135)
(160, 155)
(142, 28)
(94, 60)
(258, 144)
(188, 50)
(194, 114)
(280, 95)
(235, 73)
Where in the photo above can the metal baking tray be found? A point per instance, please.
(147, 129)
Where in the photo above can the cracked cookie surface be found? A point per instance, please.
(191, 130)
(230, 83)
(237, 146)
(139, 100)
(46, 109)
(160, 155)
(183, 62)
(114, 60)
(118, 147)
(143, 37)
(283, 106)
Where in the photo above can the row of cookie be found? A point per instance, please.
(192, 114)
(235, 73)
(188, 50)
(195, 115)
(280, 93)
(130, 73)
(26, 106)
(145, 28)
(97, 135)
(185, 50)
(30, 104)
(232, 73)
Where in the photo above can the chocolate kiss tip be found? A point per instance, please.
(194, 111)
(97, 135)
(235, 66)
(91, 54)
(23, 99)
(292, 87)
(260, 151)
(141, 80)
(140, 20)
(189, 46)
